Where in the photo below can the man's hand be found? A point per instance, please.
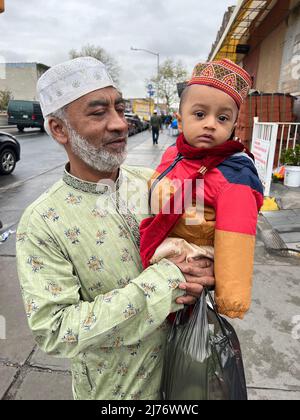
(198, 274)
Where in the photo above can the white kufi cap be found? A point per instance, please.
(66, 82)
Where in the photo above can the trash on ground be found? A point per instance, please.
(4, 236)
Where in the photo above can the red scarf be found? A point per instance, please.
(154, 230)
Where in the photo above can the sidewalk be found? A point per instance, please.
(281, 229)
(269, 335)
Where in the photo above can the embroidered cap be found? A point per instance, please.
(224, 75)
(66, 82)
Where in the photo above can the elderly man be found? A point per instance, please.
(86, 295)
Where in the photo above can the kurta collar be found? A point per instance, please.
(99, 188)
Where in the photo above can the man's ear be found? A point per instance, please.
(58, 130)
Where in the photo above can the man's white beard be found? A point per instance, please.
(98, 159)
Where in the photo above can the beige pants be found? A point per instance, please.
(174, 247)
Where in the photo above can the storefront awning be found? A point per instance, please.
(247, 15)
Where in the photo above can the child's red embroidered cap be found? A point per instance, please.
(224, 75)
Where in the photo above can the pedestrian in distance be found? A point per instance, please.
(155, 123)
(86, 295)
(174, 126)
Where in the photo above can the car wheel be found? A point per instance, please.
(7, 161)
(20, 128)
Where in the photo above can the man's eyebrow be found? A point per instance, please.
(104, 102)
(120, 101)
(98, 102)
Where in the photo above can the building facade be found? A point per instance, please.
(140, 106)
(20, 79)
(264, 37)
(289, 80)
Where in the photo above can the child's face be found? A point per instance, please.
(208, 116)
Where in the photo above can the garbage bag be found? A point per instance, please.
(203, 359)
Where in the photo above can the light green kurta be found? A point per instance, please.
(85, 292)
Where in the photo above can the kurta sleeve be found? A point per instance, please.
(63, 324)
(236, 220)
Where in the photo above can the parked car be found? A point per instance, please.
(25, 114)
(146, 124)
(10, 153)
(132, 129)
(135, 119)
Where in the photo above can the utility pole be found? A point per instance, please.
(2, 6)
(158, 68)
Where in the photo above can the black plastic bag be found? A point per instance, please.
(203, 359)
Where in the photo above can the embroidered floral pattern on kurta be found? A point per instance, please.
(85, 294)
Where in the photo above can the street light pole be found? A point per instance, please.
(158, 66)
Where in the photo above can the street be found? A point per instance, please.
(36, 147)
(268, 334)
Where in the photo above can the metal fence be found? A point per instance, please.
(289, 136)
(268, 142)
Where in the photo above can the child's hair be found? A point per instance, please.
(182, 98)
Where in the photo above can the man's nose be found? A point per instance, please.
(117, 122)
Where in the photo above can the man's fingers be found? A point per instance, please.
(204, 262)
(206, 281)
(195, 270)
(192, 289)
(186, 300)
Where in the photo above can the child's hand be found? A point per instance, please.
(198, 274)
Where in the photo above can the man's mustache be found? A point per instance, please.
(113, 139)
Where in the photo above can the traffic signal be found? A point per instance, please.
(2, 6)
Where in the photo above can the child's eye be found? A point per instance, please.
(200, 114)
(223, 118)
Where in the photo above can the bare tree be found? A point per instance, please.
(5, 97)
(102, 55)
(170, 73)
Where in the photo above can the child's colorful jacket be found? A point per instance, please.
(233, 196)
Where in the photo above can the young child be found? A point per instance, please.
(233, 194)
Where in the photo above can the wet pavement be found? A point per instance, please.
(269, 335)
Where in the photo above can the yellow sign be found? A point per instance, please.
(144, 108)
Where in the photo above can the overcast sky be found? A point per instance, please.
(45, 31)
